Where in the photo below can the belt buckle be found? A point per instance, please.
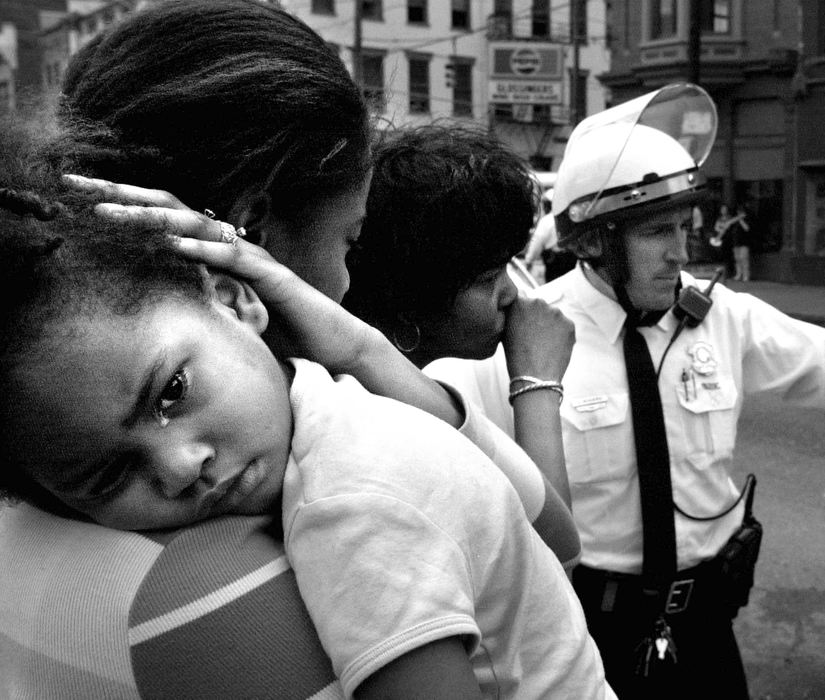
(678, 597)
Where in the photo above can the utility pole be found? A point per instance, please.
(694, 47)
(357, 63)
(575, 26)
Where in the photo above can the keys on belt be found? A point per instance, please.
(657, 648)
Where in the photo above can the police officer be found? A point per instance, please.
(652, 395)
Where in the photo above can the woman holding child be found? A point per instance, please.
(208, 610)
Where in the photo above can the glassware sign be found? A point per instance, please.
(525, 72)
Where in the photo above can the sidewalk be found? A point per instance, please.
(806, 303)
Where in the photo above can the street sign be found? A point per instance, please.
(525, 61)
(536, 92)
(525, 73)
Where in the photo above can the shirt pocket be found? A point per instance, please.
(596, 437)
(708, 417)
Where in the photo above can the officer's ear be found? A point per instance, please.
(591, 244)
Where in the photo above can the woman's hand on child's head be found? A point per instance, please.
(304, 322)
(199, 237)
(156, 209)
(538, 339)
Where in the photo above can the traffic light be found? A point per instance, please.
(449, 75)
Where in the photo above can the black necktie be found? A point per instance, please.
(653, 462)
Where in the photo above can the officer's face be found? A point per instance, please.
(656, 252)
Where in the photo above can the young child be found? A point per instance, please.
(140, 395)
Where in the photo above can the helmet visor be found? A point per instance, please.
(682, 111)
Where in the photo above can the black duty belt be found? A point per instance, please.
(692, 588)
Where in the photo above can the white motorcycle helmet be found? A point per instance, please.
(630, 159)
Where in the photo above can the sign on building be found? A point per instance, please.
(525, 72)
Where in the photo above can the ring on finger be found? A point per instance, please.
(230, 234)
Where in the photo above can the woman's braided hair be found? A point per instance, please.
(24, 203)
(211, 98)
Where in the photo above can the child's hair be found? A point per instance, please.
(210, 98)
(58, 261)
(446, 203)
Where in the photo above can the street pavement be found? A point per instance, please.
(803, 302)
(806, 303)
(782, 631)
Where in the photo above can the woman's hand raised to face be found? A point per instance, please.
(303, 321)
(538, 339)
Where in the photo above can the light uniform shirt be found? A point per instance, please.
(744, 346)
(402, 532)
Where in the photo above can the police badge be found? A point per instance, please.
(703, 362)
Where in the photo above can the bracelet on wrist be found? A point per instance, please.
(526, 378)
(534, 384)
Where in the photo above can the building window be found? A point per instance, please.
(53, 74)
(417, 11)
(578, 21)
(503, 8)
(662, 19)
(322, 7)
(372, 9)
(372, 74)
(762, 200)
(5, 97)
(419, 84)
(815, 213)
(462, 87)
(500, 23)
(541, 19)
(460, 14)
(715, 16)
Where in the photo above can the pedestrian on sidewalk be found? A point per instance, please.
(741, 234)
(720, 242)
(696, 240)
(653, 393)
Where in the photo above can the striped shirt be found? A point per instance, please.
(208, 611)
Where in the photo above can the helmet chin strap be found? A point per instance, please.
(637, 317)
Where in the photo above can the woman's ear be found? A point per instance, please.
(239, 297)
(252, 212)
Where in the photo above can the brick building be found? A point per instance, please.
(431, 59)
(763, 61)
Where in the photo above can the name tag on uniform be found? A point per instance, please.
(589, 403)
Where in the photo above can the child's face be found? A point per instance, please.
(155, 420)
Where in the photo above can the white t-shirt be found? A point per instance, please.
(401, 532)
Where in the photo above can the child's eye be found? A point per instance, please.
(174, 392)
